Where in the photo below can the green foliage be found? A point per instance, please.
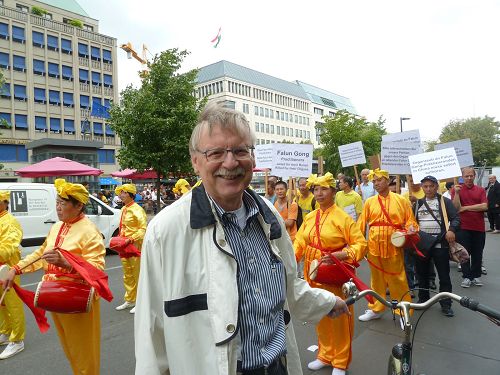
(155, 121)
(37, 11)
(76, 23)
(344, 128)
(484, 134)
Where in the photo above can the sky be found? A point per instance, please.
(431, 61)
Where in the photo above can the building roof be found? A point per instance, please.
(227, 69)
(69, 5)
(327, 98)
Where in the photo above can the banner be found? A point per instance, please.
(463, 149)
(394, 156)
(352, 154)
(441, 164)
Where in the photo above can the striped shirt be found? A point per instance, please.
(426, 221)
(261, 286)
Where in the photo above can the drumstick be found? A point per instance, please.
(3, 296)
(29, 264)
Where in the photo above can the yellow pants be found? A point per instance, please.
(12, 321)
(398, 285)
(80, 336)
(131, 267)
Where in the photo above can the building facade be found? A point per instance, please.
(278, 110)
(57, 68)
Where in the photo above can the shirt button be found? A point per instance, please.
(251, 260)
(230, 328)
(261, 321)
(222, 243)
(257, 290)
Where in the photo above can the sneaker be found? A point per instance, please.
(447, 311)
(489, 230)
(432, 285)
(459, 267)
(477, 282)
(338, 371)
(4, 339)
(496, 231)
(316, 365)
(466, 283)
(133, 310)
(483, 270)
(369, 315)
(12, 349)
(126, 305)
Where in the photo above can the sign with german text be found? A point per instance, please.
(394, 156)
(441, 164)
(407, 136)
(352, 154)
(292, 160)
(463, 149)
(264, 156)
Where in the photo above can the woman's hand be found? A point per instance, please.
(9, 279)
(54, 257)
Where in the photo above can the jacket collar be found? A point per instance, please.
(201, 214)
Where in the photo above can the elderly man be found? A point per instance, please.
(384, 214)
(367, 189)
(218, 271)
(271, 185)
(470, 201)
(493, 190)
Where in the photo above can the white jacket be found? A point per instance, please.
(187, 305)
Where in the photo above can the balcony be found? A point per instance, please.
(96, 89)
(85, 87)
(109, 141)
(54, 25)
(107, 67)
(96, 64)
(108, 91)
(12, 13)
(84, 113)
(83, 61)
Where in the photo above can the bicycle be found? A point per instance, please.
(401, 354)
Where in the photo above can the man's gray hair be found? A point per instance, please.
(365, 170)
(228, 119)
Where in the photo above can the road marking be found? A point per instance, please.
(31, 284)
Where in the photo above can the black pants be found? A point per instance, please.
(473, 241)
(441, 259)
(494, 219)
(278, 367)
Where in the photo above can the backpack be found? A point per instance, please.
(299, 212)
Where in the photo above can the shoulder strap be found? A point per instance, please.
(386, 214)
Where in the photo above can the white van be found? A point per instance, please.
(34, 205)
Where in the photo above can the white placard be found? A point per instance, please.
(440, 164)
(264, 156)
(463, 149)
(394, 156)
(352, 154)
(292, 159)
(407, 136)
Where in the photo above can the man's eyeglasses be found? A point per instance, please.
(218, 155)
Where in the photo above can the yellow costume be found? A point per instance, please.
(343, 200)
(12, 321)
(305, 204)
(387, 268)
(181, 187)
(133, 226)
(337, 232)
(417, 194)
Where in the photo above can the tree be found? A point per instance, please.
(155, 121)
(484, 134)
(344, 128)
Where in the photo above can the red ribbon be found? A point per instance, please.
(28, 298)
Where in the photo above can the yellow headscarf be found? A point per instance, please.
(4, 195)
(181, 187)
(326, 181)
(129, 188)
(378, 173)
(310, 180)
(67, 189)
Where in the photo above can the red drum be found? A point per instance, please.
(329, 274)
(64, 296)
(402, 239)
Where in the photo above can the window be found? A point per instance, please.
(53, 70)
(13, 153)
(107, 103)
(21, 122)
(96, 78)
(287, 132)
(83, 50)
(20, 92)
(54, 99)
(96, 102)
(106, 56)
(282, 115)
(55, 125)
(85, 126)
(272, 129)
(84, 101)
(5, 91)
(6, 118)
(98, 128)
(278, 130)
(38, 39)
(88, 27)
(69, 126)
(109, 132)
(67, 73)
(267, 112)
(18, 34)
(246, 108)
(256, 126)
(296, 119)
(286, 117)
(256, 110)
(40, 95)
(19, 63)
(271, 113)
(68, 99)
(4, 31)
(108, 80)
(40, 123)
(84, 76)
(4, 60)
(39, 67)
(267, 128)
(66, 46)
(106, 156)
(22, 8)
(318, 111)
(96, 53)
(52, 43)
(261, 111)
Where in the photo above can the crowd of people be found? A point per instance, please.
(217, 277)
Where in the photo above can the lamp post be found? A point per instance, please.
(401, 119)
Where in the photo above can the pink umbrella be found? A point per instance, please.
(132, 174)
(58, 167)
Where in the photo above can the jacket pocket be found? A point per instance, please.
(186, 305)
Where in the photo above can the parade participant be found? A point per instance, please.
(133, 224)
(12, 323)
(330, 228)
(384, 214)
(218, 270)
(181, 187)
(367, 189)
(73, 252)
(305, 198)
(415, 190)
(287, 210)
(347, 199)
(271, 185)
(493, 195)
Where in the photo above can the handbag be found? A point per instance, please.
(427, 241)
(458, 253)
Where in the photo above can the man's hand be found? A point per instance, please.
(413, 199)
(54, 257)
(457, 188)
(339, 308)
(463, 209)
(450, 237)
(411, 229)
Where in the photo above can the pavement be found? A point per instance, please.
(464, 344)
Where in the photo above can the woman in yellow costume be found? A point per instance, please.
(133, 224)
(77, 236)
(330, 229)
(181, 187)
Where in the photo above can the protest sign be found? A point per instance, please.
(463, 149)
(407, 136)
(292, 159)
(352, 154)
(441, 164)
(264, 156)
(394, 156)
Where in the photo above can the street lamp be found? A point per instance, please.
(401, 119)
